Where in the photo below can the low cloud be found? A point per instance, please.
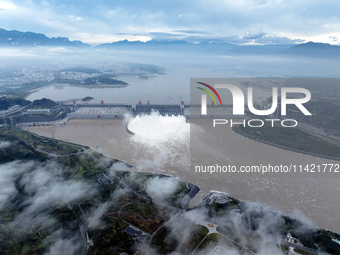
(119, 166)
(160, 188)
(94, 217)
(297, 214)
(9, 173)
(68, 243)
(47, 188)
(43, 188)
(4, 145)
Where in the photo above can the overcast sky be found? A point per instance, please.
(235, 21)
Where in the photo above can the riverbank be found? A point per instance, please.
(256, 137)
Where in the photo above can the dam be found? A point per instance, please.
(118, 111)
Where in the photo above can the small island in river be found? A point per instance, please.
(87, 99)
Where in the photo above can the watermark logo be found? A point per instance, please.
(204, 97)
(239, 99)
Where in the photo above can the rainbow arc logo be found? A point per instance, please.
(209, 93)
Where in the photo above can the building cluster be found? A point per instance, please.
(26, 76)
(217, 198)
(10, 110)
(56, 71)
(47, 75)
(38, 110)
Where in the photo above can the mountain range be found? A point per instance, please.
(20, 39)
(310, 49)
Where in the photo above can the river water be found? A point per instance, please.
(168, 144)
(149, 89)
(162, 145)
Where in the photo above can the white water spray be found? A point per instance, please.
(164, 140)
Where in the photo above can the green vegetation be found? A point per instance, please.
(31, 85)
(81, 165)
(110, 238)
(55, 112)
(144, 210)
(213, 239)
(87, 99)
(163, 242)
(40, 117)
(34, 142)
(135, 181)
(197, 235)
(58, 148)
(17, 94)
(43, 103)
(21, 148)
(27, 237)
(166, 242)
(320, 87)
(325, 112)
(218, 209)
(38, 237)
(6, 102)
(100, 80)
(148, 226)
(143, 77)
(318, 238)
(66, 81)
(179, 194)
(146, 68)
(81, 70)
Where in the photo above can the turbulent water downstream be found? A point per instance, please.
(162, 144)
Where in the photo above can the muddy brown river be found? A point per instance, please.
(163, 145)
